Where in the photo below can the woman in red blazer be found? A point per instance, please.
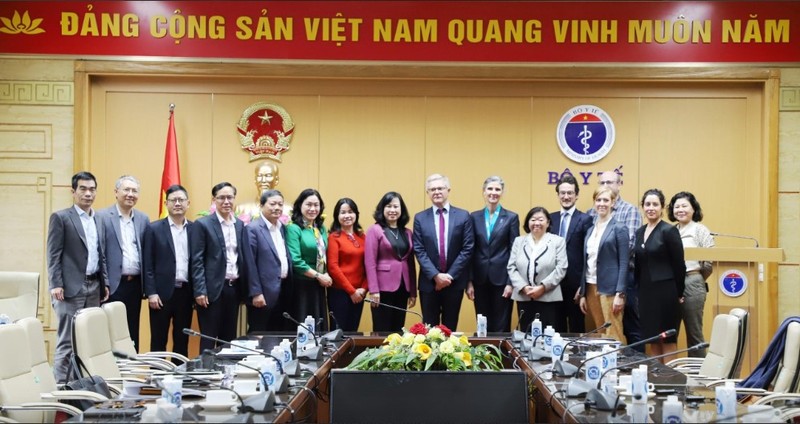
(389, 260)
(346, 266)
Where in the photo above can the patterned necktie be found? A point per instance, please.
(442, 256)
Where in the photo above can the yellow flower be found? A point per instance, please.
(423, 350)
(465, 357)
(419, 338)
(393, 339)
(447, 347)
(408, 339)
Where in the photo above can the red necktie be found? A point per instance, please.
(442, 255)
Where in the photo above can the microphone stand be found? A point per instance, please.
(517, 335)
(314, 353)
(368, 300)
(562, 368)
(603, 401)
(190, 332)
(281, 381)
(334, 335)
(753, 239)
(577, 387)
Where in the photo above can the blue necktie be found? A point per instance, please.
(562, 228)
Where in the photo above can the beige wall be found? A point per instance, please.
(691, 134)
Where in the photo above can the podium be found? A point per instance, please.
(744, 278)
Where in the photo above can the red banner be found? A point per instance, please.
(439, 31)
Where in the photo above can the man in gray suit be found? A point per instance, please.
(75, 264)
(123, 229)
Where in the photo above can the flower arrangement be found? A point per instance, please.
(423, 348)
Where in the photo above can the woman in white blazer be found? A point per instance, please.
(536, 267)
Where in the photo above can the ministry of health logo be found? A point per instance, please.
(733, 283)
(585, 134)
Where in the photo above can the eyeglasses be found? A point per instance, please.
(435, 189)
(353, 239)
(566, 193)
(224, 198)
(177, 200)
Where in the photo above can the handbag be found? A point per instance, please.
(92, 383)
(706, 268)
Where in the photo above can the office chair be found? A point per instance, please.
(719, 361)
(121, 339)
(741, 349)
(19, 294)
(20, 390)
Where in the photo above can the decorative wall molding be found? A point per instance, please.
(57, 93)
(26, 141)
(790, 99)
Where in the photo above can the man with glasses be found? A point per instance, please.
(123, 228)
(571, 224)
(628, 215)
(218, 267)
(167, 280)
(75, 265)
(443, 243)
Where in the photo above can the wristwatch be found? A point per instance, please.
(622, 295)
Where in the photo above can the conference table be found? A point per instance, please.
(308, 397)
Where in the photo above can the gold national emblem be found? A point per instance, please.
(265, 131)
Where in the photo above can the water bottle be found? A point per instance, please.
(609, 359)
(287, 350)
(557, 347)
(548, 338)
(5, 319)
(672, 410)
(269, 370)
(280, 353)
(311, 324)
(171, 390)
(481, 331)
(726, 400)
(536, 328)
(593, 370)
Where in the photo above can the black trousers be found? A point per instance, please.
(130, 293)
(442, 307)
(346, 314)
(387, 319)
(489, 302)
(219, 319)
(576, 320)
(178, 312)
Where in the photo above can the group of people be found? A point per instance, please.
(604, 263)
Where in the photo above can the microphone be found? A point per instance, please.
(334, 335)
(518, 335)
(606, 402)
(669, 333)
(313, 353)
(736, 237)
(536, 353)
(368, 300)
(281, 383)
(190, 332)
(565, 369)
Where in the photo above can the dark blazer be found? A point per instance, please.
(112, 242)
(265, 264)
(613, 256)
(158, 250)
(208, 257)
(67, 252)
(661, 257)
(384, 270)
(577, 232)
(459, 248)
(490, 257)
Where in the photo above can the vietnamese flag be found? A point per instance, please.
(172, 171)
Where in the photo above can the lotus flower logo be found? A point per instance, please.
(21, 24)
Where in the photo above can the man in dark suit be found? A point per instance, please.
(75, 264)
(167, 280)
(572, 225)
(123, 228)
(495, 230)
(443, 243)
(270, 269)
(219, 267)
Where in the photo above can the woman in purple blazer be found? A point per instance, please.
(389, 260)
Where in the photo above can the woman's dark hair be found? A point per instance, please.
(297, 215)
(697, 216)
(336, 226)
(535, 210)
(654, 192)
(402, 221)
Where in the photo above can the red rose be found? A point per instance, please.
(418, 328)
(446, 331)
